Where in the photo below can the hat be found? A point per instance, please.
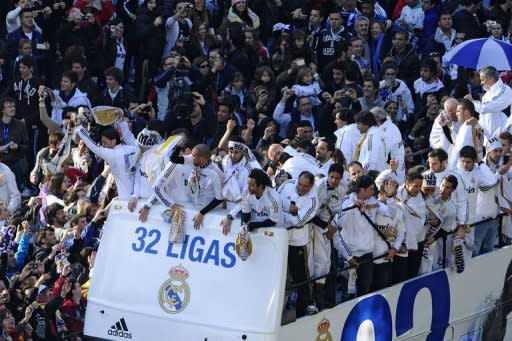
(234, 2)
(492, 144)
(42, 288)
(429, 179)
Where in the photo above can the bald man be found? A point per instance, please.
(440, 136)
(273, 151)
(203, 185)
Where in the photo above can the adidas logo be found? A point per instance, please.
(120, 329)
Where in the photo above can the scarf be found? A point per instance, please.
(357, 151)
(234, 17)
(194, 180)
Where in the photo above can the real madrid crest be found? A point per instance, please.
(174, 294)
(323, 330)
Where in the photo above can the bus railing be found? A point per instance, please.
(444, 240)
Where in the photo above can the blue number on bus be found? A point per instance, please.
(149, 248)
(141, 245)
(142, 234)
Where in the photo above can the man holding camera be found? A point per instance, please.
(178, 25)
(304, 112)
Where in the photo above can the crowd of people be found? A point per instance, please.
(340, 120)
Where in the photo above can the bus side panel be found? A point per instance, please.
(462, 305)
(199, 288)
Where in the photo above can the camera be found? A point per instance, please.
(183, 105)
(506, 158)
(188, 6)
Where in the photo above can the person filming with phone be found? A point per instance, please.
(304, 112)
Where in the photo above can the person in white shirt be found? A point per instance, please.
(433, 221)
(487, 201)
(300, 205)
(415, 213)
(68, 96)
(355, 170)
(371, 148)
(170, 186)
(10, 197)
(437, 161)
(236, 167)
(347, 134)
(153, 154)
(294, 163)
(204, 183)
(393, 140)
(331, 193)
(442, 255)
(505, 190)
(304, 108)
(497, 98)
(440, 135)
(121, 158)
(478, 178)
(428, 82)
(390, 221)
(324, 152)
(261, 204)
(355, 239)
(470, 132)
(412, 16)
(396, 89)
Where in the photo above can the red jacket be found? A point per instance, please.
(102, 17)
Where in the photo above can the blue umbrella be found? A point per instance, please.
(480, 53)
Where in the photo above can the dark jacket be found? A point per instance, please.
(26, 97)
(89, 87)
(85, 36)
(497, 14)
(16, 132)
(408, 64)
(221, 79)
(151, 39)
(14, 38)
(466, 22)
(120, 101)
(203, 132)
(240, 59)
(429, 26)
